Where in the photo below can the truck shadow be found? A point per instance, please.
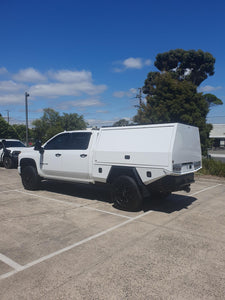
(102, 193)
(79, 190)
(174, 202)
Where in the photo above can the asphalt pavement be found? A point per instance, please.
(67, 241)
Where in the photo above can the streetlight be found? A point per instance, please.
(26, 106)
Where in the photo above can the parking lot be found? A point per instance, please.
(68, 242)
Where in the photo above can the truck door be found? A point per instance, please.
(51, 159)
(76, 158)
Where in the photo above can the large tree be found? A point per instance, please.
(172, 94)
(194, 66)
(52, 123)
(20, 130)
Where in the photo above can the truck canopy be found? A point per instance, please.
(160, 145)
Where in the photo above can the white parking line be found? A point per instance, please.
(19, 268)
(44, 258)
(52, 199)
(206, 189)
(10, 262)
(107, 212)
(7, 191)
(74, 204)
(207, 181)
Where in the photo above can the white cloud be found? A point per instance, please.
(29, 75)
(80, 103)
(11, 99)
(121, 94)
(70, 83)
(147, 62)
(59, 83)
(100, 111)
(132, 63)
(71, 76)
(3, 70)
(52, 90)
(209, 88)
(11, 86)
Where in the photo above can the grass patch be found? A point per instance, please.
(212, 167)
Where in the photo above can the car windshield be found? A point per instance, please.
(9, 144)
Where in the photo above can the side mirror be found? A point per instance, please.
(38, 147)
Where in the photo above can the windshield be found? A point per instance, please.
(9, 144)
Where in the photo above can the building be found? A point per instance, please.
(218, 134)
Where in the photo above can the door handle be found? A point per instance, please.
(83, 155)
(58, 154)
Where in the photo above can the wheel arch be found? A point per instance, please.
(24, 162)
(117, 171)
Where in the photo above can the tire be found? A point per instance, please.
(7, 162)
(126, 194)
(30, 178)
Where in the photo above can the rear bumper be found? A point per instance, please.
(172, 183)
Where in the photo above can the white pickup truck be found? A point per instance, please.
(9, 151)
(159, 158)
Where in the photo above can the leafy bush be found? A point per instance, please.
(212, 167)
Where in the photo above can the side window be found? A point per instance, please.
(79, 140)
(58, 142)
(1, 145)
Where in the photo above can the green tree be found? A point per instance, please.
(20, 130)
(47, 126)
(73, 121)
(6, 130)
(172, 91)
(194, 66)
(121, 122)
(212, 100)
(52, 123)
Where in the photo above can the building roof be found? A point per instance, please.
(218, 131)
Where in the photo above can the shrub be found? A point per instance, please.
(212, 167)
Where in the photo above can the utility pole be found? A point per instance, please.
(26, 108)
(139, 96)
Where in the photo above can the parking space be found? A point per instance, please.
(68, 242)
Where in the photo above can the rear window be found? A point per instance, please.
(13, 144)
(79, 140)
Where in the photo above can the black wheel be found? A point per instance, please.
(126, 194)
(7, 162)
(30, 178)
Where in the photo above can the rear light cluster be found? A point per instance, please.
(186, 167)
(197, 165)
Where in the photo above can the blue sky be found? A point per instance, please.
(89, 57)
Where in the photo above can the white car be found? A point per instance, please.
(9, 151)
